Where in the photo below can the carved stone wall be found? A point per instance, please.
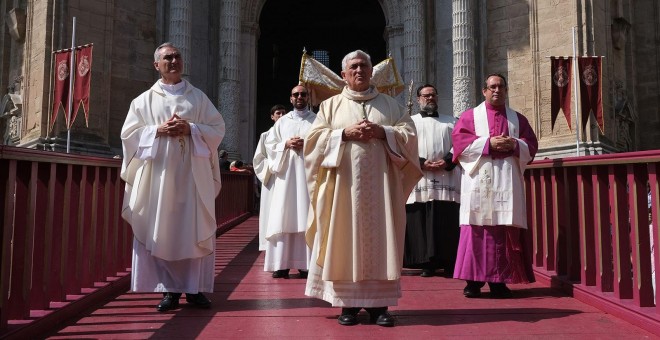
(124, 41)
(36, 69)
(536, 32)
(229, 79)
(625, 113)
(515, 39)
(645, 51)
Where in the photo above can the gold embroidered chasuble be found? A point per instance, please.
(358, 190)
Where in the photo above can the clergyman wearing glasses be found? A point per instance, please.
(287, 218)
(493, 144)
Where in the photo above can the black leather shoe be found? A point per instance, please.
(473, 289)
(169, 301)
(500, 291)
(380, 316)
(199, 300)
(281, 274)
(385, 320)
(302, 273)
(348, 316)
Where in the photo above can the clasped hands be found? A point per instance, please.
(502, 143)
(363, 131)
(174, 127)
(295, 143)
(434, 166)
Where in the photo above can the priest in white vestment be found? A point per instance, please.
(432, 230)
(362, 163)
(493, 144)
(289, 203)
(170, 140)
(260, 166)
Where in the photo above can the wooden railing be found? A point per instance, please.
(63, 237)
(236, 201)
(593, 230)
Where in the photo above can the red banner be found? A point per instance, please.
(81, 83)
(561, 89)
(61, 86)
(589, 69)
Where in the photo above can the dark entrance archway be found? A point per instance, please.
(288, 26)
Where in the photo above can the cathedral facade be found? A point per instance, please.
(245, 55)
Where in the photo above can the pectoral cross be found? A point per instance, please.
(364, 111)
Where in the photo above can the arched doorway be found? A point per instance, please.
(288, 26)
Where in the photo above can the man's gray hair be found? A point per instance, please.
(163, 45)
(353, 55)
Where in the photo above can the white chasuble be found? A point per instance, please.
(171, 183)
(358, 192)
(290, 199)
(285, 244)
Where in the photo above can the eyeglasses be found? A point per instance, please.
(495, 87)
(299, 94)
(428, 95)
(170, 57)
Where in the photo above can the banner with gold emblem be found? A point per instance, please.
(81, 83)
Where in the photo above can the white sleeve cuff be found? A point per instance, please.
(333, 150)
(148, 143)
(200, 148)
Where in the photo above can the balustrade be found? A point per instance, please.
(63, 237)
(594, 223)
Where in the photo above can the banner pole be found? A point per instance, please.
(575, 95)
(72, 67)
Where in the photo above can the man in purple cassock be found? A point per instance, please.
(493, 145)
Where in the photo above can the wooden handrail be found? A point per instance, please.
(593, 230)
(63, 236)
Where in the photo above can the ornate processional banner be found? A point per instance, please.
(323, 83)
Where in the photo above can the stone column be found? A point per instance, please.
(248, 85)
(394, 38)
(180, 30)
(415, 42)
(463, 58)
(229, 84)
